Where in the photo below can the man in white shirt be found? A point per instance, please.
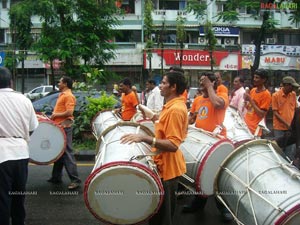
(18, 120)
(237, 95)
(155, 101)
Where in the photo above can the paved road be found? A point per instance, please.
(49, 204)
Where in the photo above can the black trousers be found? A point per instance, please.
(67, 160)
(13, 178)
(165, 214)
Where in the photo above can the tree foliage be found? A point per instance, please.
(230, 14)
(148, 21)
(74, 31)
(180, 35)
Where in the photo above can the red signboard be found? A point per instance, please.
(190, 57)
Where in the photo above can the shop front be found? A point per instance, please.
(279, 60)
(194, 62)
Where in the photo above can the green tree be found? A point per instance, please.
(148, 21)
(197, 8)
(211, 42)
(20, 26)
(180, 35)
(75, 31)
(268, 23)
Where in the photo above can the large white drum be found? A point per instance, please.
(203, 154)
(124, 186)
(259, 186)
(47, 143)
(236, 128)
(103, 120)
(138, 118)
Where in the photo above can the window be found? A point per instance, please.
(38, 90)
(2, 36)
(128, 36)
(172, 4)
(4, 4)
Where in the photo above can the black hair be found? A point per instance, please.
(242, 80)
(177, 69)
(177, 78)
(212, 77)
(68, 81)
(151, 81)
(5, 77)
(126, 81)
(262, 73)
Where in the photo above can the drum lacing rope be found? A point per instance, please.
(227, 207)
(247, 186)
(287, 167)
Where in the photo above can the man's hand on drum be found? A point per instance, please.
(135, 138)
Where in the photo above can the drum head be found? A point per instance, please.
(123, 193)
(147, 123)
(103, 120)
(209, 166)
(47, 143)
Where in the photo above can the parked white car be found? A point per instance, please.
(39, 92)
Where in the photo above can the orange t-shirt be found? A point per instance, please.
(129, 103)
(66, 101)
(185, 95)
(208, 117)
(222, 89)
(263, 101)
(285, 105)
(172, 125)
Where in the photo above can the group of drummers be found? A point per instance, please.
(206, 113)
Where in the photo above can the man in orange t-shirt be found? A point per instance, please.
(208, 113)
(221, 87)
(258, 102)
(208, 110)
(170, 131)
(63, 115)
(284, 104)
(129, 100)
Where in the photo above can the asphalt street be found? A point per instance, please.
(49, 204)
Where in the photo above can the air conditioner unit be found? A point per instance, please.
(271, 41)
(228, 41)
(202, 41)
(219, 41)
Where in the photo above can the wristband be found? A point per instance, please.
(153, 142)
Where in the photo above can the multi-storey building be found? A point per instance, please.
(280, 52)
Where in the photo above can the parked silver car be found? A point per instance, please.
(39, 92)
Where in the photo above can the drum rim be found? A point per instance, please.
(102, 111)
(154, 176)
(122, 123)
(41, 120)
(284, 218)
(236, 151)
(203, 162)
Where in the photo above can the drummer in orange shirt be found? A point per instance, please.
(258, 102)
(170, 131)
(129, 100)
(208, 112)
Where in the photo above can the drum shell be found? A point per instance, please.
(258, 166)
(102, 120)
(209, 153)
(117, 170)
(47, 143)
(237, 130)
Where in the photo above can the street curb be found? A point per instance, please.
(85, 155)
